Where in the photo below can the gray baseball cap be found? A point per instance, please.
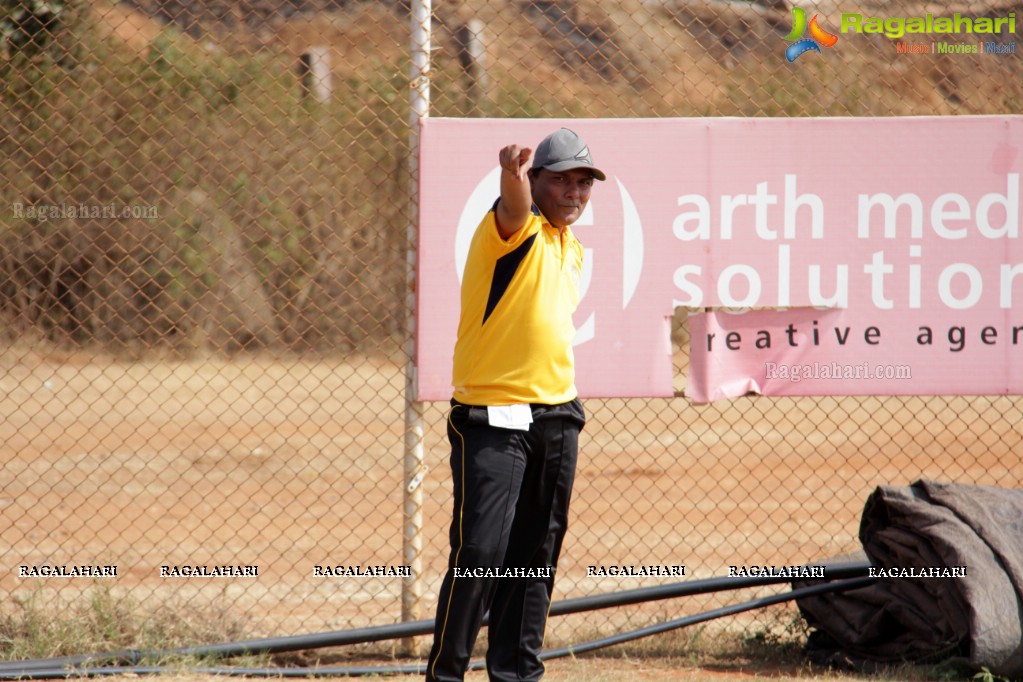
(564, 150)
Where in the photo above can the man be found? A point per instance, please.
(515, 416)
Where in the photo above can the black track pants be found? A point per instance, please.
(511, 496)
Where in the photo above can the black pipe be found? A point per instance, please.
(419, 669)
(811, 591)
(278, 645)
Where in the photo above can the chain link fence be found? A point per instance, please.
(203, 347)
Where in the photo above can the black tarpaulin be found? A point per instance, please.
(949, 561)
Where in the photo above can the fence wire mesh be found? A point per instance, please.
(203, 312)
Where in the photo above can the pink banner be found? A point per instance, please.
(873, 256)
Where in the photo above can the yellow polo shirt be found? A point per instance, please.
(515, 332)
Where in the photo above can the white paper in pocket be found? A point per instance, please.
(517, 417)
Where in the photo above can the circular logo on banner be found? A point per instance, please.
(622, 233)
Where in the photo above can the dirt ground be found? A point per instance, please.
(288, 464)
(600, 670)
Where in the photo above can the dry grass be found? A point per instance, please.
(103, 620)
(43, 623)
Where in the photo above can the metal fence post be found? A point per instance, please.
(412, 514)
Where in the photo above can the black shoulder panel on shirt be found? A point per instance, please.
(504, 270)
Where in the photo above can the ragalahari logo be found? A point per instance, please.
(818, 36)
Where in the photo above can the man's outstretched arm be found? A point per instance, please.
(516, 199)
